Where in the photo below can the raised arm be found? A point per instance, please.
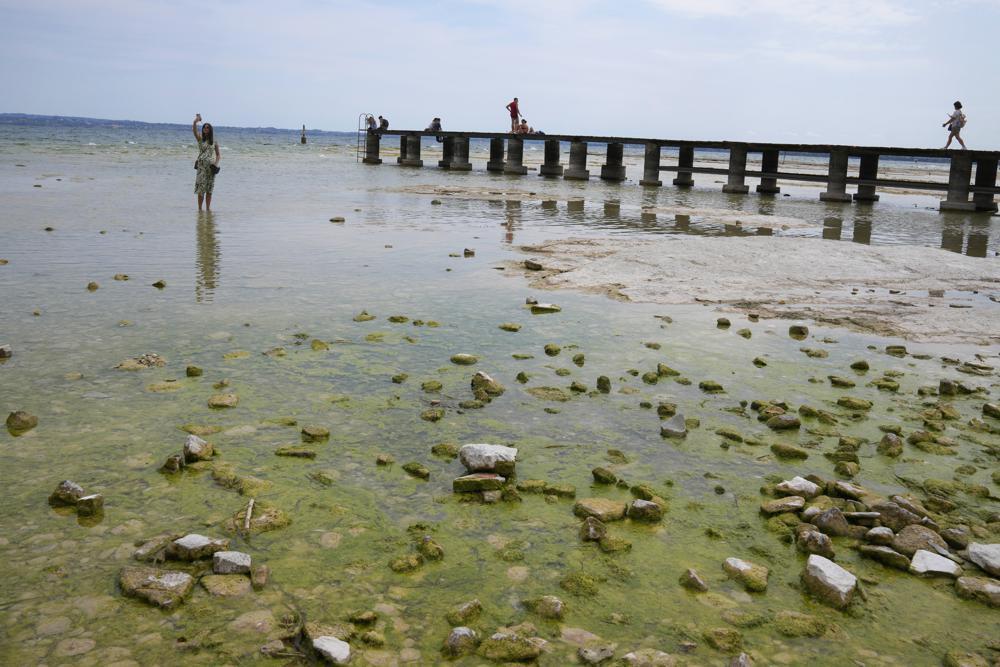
(194, 126)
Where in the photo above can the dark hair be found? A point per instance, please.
(208, 133)
(958, 105)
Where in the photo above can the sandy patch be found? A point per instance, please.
(887, 290)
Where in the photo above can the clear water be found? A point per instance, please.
(267, 265)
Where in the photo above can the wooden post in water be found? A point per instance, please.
(959, 177)
(769, 165)
(613, 169)
(651, 166)
(412, 158)
(372, 142)
(577, 170)
(836, 184)
(551, 167)
(685, 158)
(867, 171)
(986, 177)
(736, 184)
(496, 155)
(460, 155)
(515, 157)
(447, 151)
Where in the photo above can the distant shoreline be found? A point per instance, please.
(27, 119)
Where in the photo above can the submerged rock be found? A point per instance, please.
(223, 401)
(543, 308)
(753, 577)
(484, 387)
(464, 359)
(465, 613)
(461, 641)
(196, 449)
(91, 505)
(602, 509)
(592, 530)
(478, 482)
(226, 585)
(675, 427)
(19, 422)
(67, 493)
(786, 451)
(162, 588)
(648, 657)
(417, 470)
(828, 582)
(508, 646)
(547, 606)
(314, 433)
(548, 394)
(795, 624)
(980, 589)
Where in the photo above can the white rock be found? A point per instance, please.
(488, 458)
(986, 556)
(230, 562)
(194, 546)
(332, 649)
(930, 564)
(798, 486)
(829, 582)
(196, 449)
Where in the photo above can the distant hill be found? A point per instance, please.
(77, 121)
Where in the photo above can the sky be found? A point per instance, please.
(871, 72)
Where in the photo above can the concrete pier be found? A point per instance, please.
(372, 141)
(962, 194)
(613, 169)
(577, 170)
(515, 157)
(769, 165)
(496, 155)
(651, 166)
(685, 166)
(551, 166)
(737, 172)
(867, 171)
(836, 184)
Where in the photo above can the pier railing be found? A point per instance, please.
(507, 156)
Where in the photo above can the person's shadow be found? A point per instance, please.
(206, 258)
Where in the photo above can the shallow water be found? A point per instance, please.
(267, 265)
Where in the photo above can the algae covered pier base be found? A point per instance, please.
(971, 186)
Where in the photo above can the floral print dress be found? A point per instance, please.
(204, 182)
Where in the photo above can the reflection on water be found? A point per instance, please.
(512, 217)
(206, 258)
(833, 228)
(862, 228)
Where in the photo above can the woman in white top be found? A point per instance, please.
(955, 123)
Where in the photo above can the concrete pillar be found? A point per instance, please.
(412, 158)
(836, 184)
(651, 166)
(402, 149)
(371, 149)
(613, 169)
(958, 184)
(447, 151)
(867, 171)
(515, 157)
(460, 155)
(577, 170)
(685, 160)
(737, 172)
(986, 177)
(496, 155)
(769, 165)
(551, 167)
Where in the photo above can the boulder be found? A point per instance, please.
(592, 530)
(783, 505)
(596, 653)
(914, 537)
(465, 613)
(798, 486)
(462, 359)
(161, 588)
(479, 481)
(90, 505)
(891, 445)
(832, 522)
(507, 646)
(230, 562)
(19, 422)
(986, 556)
(67, 493)
(332, 649)
(484, 387)
(645, 510)
(196, 449)
(783, 422)
(893, 516)
(461, 641)
(885, 555)
(488, 458)
(925, 563)
(814, 542)
(785, 451)
(675, 427)
(881, 535)
(828, 582)
(194, 547)
(752, 576)
(601, 509)
(547, 606)
(981, 589)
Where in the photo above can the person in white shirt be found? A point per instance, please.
(955, 123)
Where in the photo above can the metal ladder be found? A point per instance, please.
(362, 133)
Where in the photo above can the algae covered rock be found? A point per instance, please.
(548, 394)
(263, 518)
(482, 457)
(194, 547)
(66, 493)
(727, 640)
(478, 482)
(226, 585)
(161, 588)
(460, 641)
(795, 624)
(604, 384)
(580, 583)
(547, 606)
(829, 582)
(432, 414)
(511, 327)
(19, 422)
(711, 387)
(465, 613)
(364, 316)
(407, 563)
(418, 470)
(645, 511)
(196, 449)
(753, 577)
(223, 401)
(602, 509)
(314, 433)
(786, 451)
(508, 646)
(691, 580)
(463, 359)
(852, 403)
(484, 387)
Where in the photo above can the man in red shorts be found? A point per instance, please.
(515, 115)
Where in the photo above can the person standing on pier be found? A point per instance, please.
(955, 123)
(206, 166)
(515, 114)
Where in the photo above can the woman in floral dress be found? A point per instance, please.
(208, 157)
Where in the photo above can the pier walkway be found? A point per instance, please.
(507, 156)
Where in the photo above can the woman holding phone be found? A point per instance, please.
(207, 163)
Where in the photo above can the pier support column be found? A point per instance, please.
(685, 158)
(412, 158)
(460, 154)
(959, 178)
(371, 149)
(496, 155)
(651, 166)
(551, 167)
(447, 151)
(737, 172)
(769, 165)
(986, 177)
(613, 169)
(577, 170)
(515, 157)
(402, 149)
(836, 184)
(868, 171)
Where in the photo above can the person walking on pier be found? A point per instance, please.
(207, 163)
(515, 114)
(955, 123)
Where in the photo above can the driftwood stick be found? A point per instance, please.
(246, 519)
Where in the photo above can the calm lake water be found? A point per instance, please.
(268, 270)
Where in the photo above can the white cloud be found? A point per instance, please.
(839, 14)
